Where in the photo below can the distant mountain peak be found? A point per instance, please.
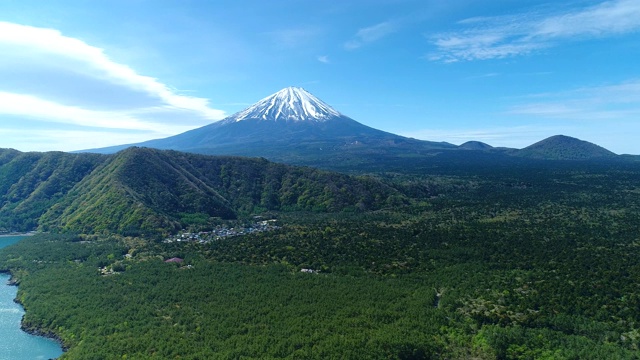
(288, 104)
(562, 147)
(475, 145)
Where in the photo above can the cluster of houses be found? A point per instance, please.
(310, 271)
(221, 232)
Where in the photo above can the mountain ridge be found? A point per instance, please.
(150, 191)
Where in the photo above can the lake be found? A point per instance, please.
(16, 344)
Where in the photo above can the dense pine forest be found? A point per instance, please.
(453, 258)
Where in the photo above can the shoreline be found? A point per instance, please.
(47, 334)
(30, 233)
(44, 333)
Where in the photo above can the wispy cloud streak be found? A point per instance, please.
(371, 34)
(323, 59)
(506, 36)
(608, 102)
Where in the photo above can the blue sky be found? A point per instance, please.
(84, 74)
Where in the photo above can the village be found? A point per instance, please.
(218, 233)
(223, 231)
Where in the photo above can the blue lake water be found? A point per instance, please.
(16, 344)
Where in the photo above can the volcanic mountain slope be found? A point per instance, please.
(291, 126)
(142, 190)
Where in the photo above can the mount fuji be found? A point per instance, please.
(290, 126)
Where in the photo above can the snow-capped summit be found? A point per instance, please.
(289, 104)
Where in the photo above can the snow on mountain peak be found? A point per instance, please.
(289, 104)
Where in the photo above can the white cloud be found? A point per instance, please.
(610, 17)
(618, 102)
(323, 59)
(33, 107)
(371, 34)
(41, 41)
(66, 140)
(55, 79)
(505, 36)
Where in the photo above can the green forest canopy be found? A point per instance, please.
(493, 262)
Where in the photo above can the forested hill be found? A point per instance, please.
(30, 183)
(562, 147)
(142, 190)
